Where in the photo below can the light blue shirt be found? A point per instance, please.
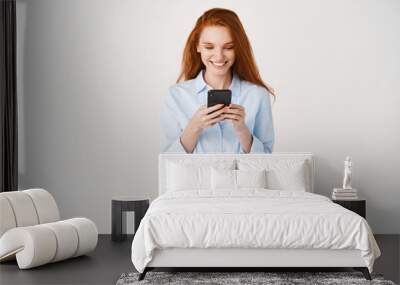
(185, 98)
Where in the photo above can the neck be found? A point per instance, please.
(218, 82)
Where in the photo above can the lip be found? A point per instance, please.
(218, 64)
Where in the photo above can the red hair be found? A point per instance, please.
(244, 66)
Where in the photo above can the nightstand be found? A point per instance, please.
(119, 206)
(358, 206)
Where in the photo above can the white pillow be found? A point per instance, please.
(282, 174)
(187, 177)
(223, 179)
(287, 179)
(251, 178)
(193, 174)
(237, 179)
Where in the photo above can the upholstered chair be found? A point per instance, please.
(32, 233)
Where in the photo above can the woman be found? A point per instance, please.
(218, 55)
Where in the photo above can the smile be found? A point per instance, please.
(219, 64)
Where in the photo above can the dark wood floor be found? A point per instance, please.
(102, 266)
(110, 260)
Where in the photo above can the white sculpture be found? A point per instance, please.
(347, 173)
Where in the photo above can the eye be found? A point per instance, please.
(229, 48)
(208, 47)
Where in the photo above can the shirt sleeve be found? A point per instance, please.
(170, 128)
(263, 133)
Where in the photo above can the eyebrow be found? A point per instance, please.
(208, 43)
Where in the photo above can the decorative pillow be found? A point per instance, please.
(281, 174)
(223, 179)
(251, 178)
(187, 177)
(193, 174)
(287, 178)
(237, 179)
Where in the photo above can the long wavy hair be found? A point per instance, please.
(244, 66)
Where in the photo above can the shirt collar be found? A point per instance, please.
(200, 84)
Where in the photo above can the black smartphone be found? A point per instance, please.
(219, 96)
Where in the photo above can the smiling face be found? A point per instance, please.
(216, 50)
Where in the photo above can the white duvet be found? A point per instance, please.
(250, 218)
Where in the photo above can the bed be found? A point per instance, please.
(245, 211)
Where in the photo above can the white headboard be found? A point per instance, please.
(163, 158)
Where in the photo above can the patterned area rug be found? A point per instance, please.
(270, 278)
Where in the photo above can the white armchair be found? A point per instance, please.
(31, 230)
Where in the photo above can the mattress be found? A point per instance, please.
(250, 218)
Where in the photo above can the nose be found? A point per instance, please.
(218, 55)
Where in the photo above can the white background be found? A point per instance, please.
(92, 74)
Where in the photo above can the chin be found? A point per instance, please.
(219, 72)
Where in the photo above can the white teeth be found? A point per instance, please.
(219, 64)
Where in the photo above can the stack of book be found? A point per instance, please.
(344, 194)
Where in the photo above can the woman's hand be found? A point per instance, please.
(236, 114)
(201, 119)
(207, 117)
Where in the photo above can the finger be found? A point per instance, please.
(213, 121)
(236, 106)
(234, 111)
(232, 117)
(215, 114)
(207, 110)
(214, 108)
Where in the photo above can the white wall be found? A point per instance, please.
(92, 74)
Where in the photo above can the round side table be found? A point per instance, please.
(119, 206)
